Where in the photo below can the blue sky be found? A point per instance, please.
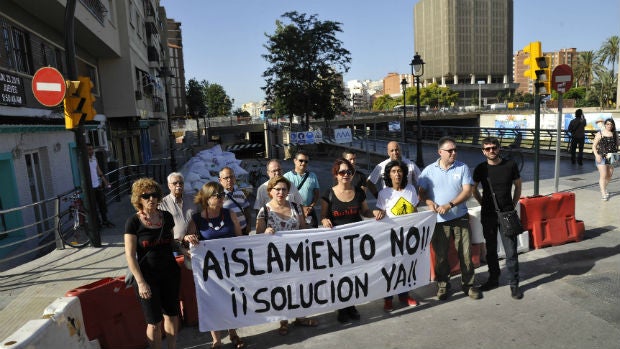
(223, 40)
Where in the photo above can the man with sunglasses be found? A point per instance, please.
(307, 183)
(262, 196)
(235, 199)
(179, 205)
(445, 186)
(506, 181)
(375, 182)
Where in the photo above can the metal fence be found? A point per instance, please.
(38, 234)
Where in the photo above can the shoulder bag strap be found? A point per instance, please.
(493, 195)
(266, 212)
(229, 194)
(303, 181)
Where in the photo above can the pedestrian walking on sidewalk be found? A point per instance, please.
(445, 186)
(605, 146)
(576, 128)
(100, 184)
(506, 183)
(148, 250)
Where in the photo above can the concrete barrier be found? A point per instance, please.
(61, 327)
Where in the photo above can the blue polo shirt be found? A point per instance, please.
(442, 186)
(307, 190)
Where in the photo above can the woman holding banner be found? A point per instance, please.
(397, 198)
(213, 222)
(344, 204)
(278, 215)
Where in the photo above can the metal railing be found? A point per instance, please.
(524, 138)
(33, 228)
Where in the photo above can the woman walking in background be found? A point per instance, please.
(605, 142)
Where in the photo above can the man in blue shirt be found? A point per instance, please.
(307, 183)
(445, 186)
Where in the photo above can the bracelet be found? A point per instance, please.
(451, 204)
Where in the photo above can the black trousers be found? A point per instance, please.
(489, 230)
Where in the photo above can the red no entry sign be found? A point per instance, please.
(48, 86)
(562, 78)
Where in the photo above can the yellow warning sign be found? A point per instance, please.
(402, 206)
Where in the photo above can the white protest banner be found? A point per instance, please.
(249, 280)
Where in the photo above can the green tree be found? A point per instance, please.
(306, 66)
(609, 52)
(384, 103)
(218, 102)
(195, 98)
(584, 68)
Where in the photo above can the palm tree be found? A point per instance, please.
(609, 52)
(584, 68)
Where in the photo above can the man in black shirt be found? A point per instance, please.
(506, 181)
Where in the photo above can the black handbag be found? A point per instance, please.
(509, 221)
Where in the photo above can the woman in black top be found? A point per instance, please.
(342, 204)
(605, 142)
(149, 244)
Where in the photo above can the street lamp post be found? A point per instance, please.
(403, 83)
(480, 83)
(417, 70)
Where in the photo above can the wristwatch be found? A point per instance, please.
(451, 204)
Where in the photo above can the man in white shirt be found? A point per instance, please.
(375, 183)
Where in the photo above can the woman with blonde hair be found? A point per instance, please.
(214, 222)
(149, 242)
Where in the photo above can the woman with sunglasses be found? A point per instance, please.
(605, 142)
(213, 222)
(279, 214)
(397, 198)
(342, 204)
(149, 243)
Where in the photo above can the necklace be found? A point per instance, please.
(149, 222)
(211, 224)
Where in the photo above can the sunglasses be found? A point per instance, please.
(302, 161)
(490, 148)
(147, 196)
(449, 150)
(345, 172)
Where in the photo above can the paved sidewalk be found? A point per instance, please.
(571, 291)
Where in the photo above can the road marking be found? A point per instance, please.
(48, 86)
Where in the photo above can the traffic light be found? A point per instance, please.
(85, 91)
(534, 49)
(543, 76)
(73, 105)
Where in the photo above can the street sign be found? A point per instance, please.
(562, 78)
(48, 86)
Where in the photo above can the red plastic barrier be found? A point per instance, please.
(453, 258)
(112, 314)
(187, 295)
(561, 205)
(533, 210)
(557, 231)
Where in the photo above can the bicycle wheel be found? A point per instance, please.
(72, 230)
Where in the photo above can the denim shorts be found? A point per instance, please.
(604, 161)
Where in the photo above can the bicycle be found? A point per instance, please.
(72, 226)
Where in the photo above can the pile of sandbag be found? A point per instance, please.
(205, 167)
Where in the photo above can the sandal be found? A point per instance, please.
(236, 341)
(283, 330)
(305, 322)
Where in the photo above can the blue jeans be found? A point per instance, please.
(489, 230)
